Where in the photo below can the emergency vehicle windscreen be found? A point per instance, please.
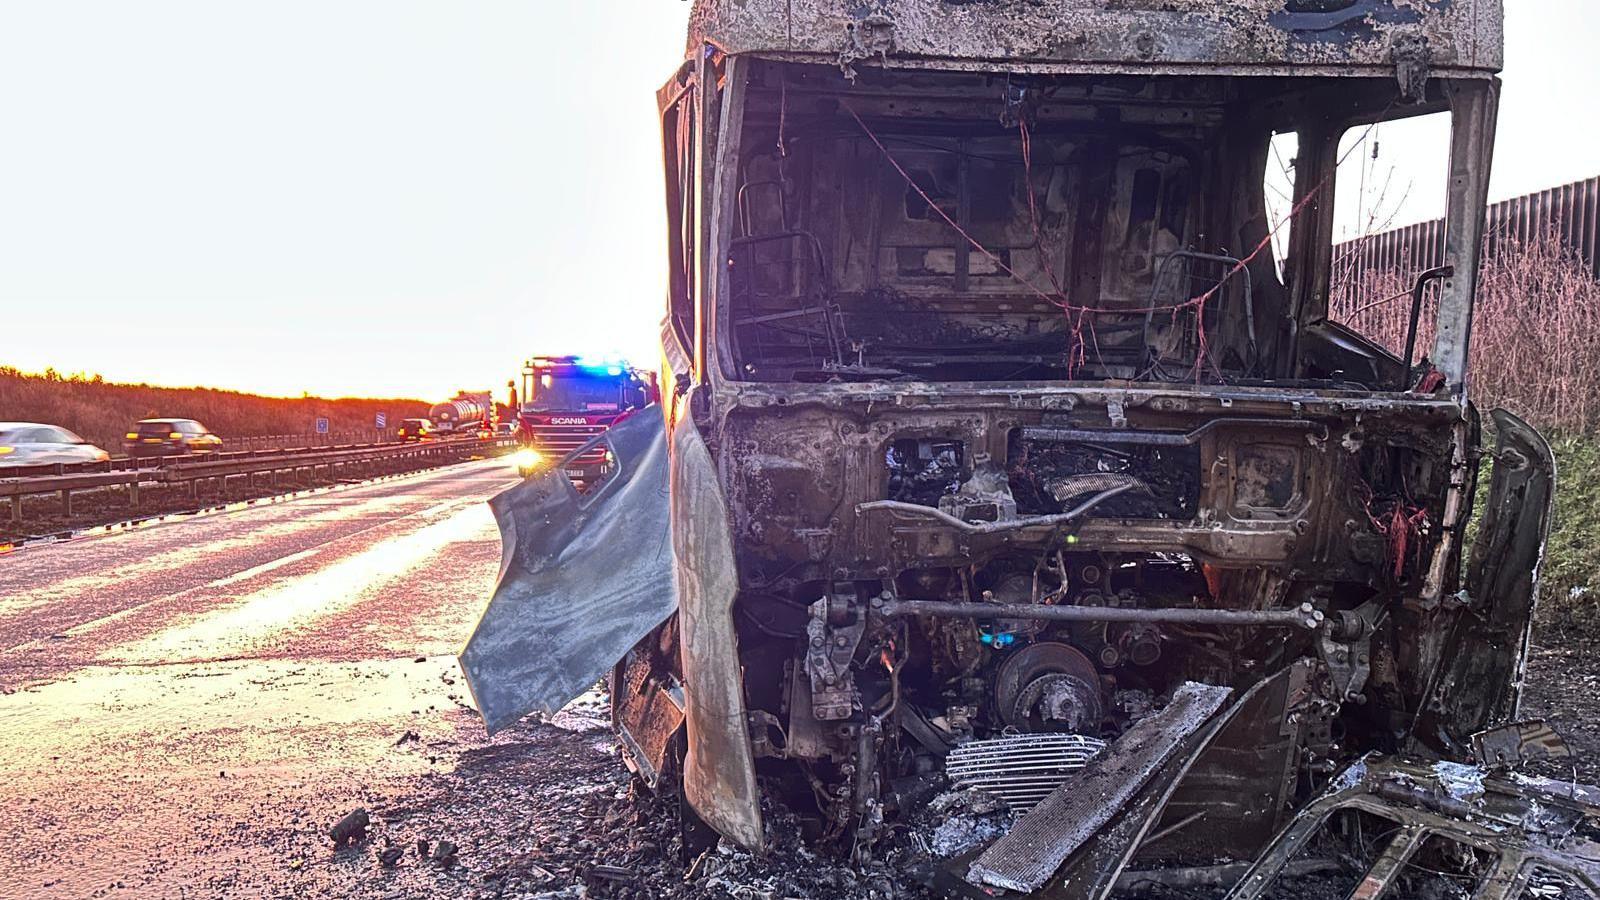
(579, 392)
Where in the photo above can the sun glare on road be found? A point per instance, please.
(252, 621)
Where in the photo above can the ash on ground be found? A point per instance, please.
(958, 821)
(547, 810)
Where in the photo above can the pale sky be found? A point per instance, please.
(394, 197)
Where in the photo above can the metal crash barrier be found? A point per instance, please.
(333, 462)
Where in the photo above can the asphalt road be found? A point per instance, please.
(185, 707)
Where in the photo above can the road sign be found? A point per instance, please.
(380, 421)
(322, 426)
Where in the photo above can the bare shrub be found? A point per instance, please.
(1536, 334)
(1536, 328)
(101, 411)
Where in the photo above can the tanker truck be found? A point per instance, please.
(468, 411)
(566, 402)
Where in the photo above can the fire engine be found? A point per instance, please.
(566, 402)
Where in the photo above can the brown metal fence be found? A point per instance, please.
(1536, 319)
(1572, 211)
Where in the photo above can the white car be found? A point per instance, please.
(33, 444)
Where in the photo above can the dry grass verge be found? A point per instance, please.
(101, 411)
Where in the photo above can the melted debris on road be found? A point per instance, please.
(545, 810)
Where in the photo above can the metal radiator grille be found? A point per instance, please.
(1021, 769)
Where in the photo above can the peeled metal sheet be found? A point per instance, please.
(719, 774)
(1043, 839)
(583, 577)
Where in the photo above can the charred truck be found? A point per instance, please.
(566, 402)
(1007, 445)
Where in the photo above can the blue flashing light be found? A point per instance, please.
(998, 641)
(611, 365)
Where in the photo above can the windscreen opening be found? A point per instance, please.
(967, 227)
(568, 392)
(1389, 231)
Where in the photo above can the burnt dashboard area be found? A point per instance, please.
(865, 484)
(1053, 470)
(1050, 471)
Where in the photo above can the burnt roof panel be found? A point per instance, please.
(1352, 37)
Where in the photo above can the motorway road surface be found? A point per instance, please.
(186, 705)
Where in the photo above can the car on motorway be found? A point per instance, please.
(415, 430)
(170, 437)
(36, 444)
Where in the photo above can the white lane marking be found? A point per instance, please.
(446, 506)
(264, 568)
(288, 605)
(429, 513)
(40, 561)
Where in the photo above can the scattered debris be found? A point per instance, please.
(958, 834)
(613, 873)
(352, 829)
(1461, 781)
(389, 856)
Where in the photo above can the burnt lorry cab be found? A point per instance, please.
(1006, 428)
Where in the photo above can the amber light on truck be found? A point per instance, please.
(527, 459)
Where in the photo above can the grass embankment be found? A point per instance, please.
(101, 411)
(1569, 591)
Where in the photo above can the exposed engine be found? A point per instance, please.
(878, 686)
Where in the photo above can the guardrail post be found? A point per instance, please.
(133, 491)
(66, 494)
